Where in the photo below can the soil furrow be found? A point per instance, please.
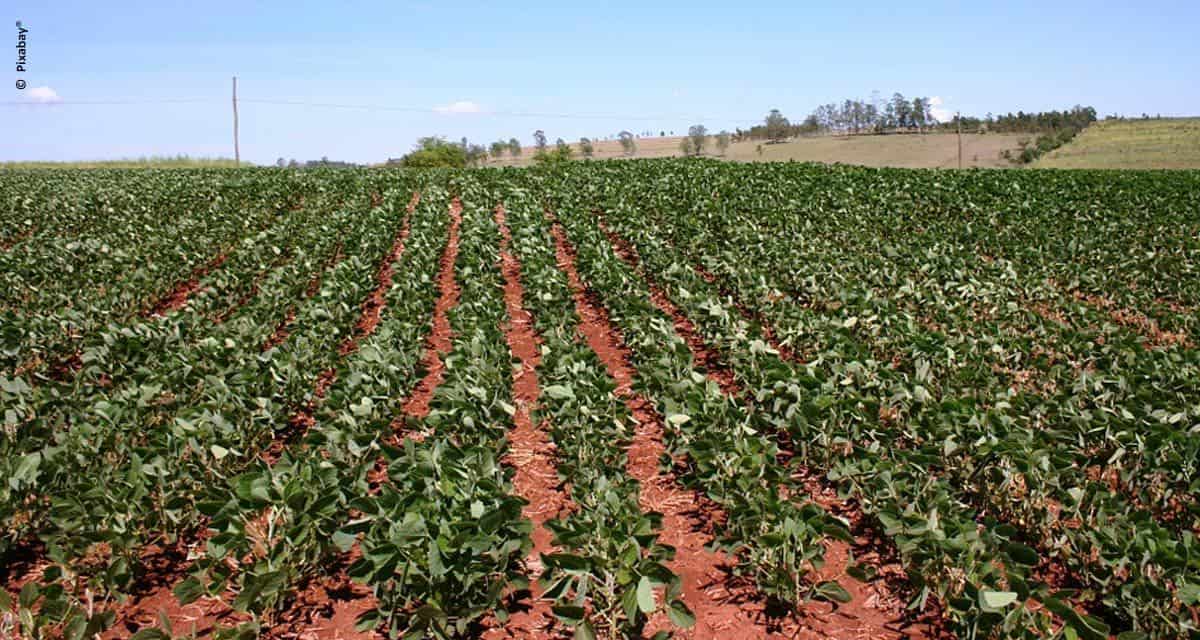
(749, 315)
(530, 450)
(284, 328)
(440, 339)
(327, 609)
(157, 596)
(9, 243)
(183, 291)
(702, 354)
(718, 603)
(877, 607)
(372, 311)
(253, 291)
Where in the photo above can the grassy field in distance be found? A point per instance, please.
(1172, 143)
(931, 150)
(156, 162)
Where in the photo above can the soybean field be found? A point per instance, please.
(608, 399)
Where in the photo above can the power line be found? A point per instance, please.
(389, 108)
(513, 114)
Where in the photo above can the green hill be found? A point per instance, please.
(1172, 143)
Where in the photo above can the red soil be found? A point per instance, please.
(439, 341)
(530, 451)
(152, 599)
(252, 292)
(768, 331)
(368, 319)
(335, 595)
(284, 328)
(877, 608)
(702, 354)
(1137, 322)
(327, 609)
(184, 290)
(9, 243)
(707, 586)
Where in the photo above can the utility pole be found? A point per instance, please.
(237, 154)
(958, 121)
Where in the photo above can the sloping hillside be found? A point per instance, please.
(1172, 143)
(931, 150)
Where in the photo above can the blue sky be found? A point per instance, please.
(674, 64)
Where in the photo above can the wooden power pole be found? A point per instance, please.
(957, 120)
(237, 154)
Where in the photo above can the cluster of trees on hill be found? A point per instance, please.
(1076, 117)
(324, 162)
(849, 116)
(697, 139)
(904, 114)
(876, 116)
(435, 151)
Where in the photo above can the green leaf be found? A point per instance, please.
(150, 634)
(571, 615)
(29, 595)
(861, 571)
(189, 590)
(1021, 554)
(584, 631)
(680, 615)
(993, 600)
(559, 392)
(344, 541)
(678, 418)
(832, 591)
(645, 595)
(567, 561)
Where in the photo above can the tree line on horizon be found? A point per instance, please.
(899, 114)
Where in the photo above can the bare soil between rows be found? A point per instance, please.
(531, 454)
(876, 609)
(723, 607)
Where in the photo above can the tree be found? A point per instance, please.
(585, 146)
(498, 148)
(292, 164)
(514, 147)
(627, 143)
(902, 110)
(811, 125)
(697, 139)
(777, 126)
(919, 111)
(722, 141)
(476, 154)
(280, 162)
(432, 151)
(539, 140)
(561, 144)
(561, 153)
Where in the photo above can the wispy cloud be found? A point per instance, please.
(939, 111)
(461, 106)
(43, 94)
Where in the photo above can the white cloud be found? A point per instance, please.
(43, 94)
(939, 111)
(461, 106)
